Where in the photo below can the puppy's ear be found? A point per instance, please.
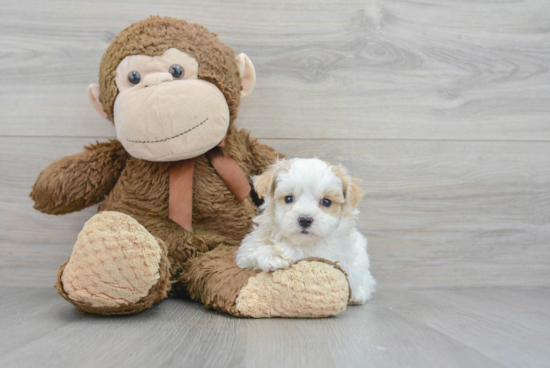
(352, 192)
(265, 184)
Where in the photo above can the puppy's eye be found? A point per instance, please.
(134, 77)
(176, 71)
(289, 199)
(326, 202)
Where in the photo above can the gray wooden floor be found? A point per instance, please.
(496, 327)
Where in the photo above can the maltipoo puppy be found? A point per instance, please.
(310, 210)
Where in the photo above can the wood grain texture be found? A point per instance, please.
(369, 69)
(437, 214)
(440, 106)
(413, 328)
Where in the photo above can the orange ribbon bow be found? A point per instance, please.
(180, 202)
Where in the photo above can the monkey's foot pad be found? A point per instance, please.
(307, 289)
(117, 267)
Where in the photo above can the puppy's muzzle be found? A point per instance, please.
(305, 222)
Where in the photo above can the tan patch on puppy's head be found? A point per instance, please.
(352, 192)
(265, 184)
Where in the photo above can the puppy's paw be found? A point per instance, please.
(272, 263)
(287, 252)
(359, 296)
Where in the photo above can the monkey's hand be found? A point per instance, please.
(79, 181)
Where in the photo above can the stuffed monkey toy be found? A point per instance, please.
(175, 186)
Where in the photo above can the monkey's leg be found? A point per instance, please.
(309, 288)
(117, 267)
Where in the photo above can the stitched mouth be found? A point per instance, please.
(167, 139)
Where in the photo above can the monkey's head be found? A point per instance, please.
(171, 88)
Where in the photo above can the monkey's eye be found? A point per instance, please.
(134, 77)
(176, 71)
(289, 199)
(326, 202)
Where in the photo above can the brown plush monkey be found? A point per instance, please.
(174, 186)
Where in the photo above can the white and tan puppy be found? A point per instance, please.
(310, 210)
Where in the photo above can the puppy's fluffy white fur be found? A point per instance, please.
(295, 189)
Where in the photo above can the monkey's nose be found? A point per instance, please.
(156, 79)
(305, 221)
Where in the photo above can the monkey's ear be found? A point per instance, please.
(93, 95)
(247, 72)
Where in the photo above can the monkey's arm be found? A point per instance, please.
(79, 181)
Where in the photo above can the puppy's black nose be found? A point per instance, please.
(305, 221)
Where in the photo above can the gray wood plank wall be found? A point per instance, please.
(442, 107)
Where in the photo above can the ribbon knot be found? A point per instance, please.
(180, 201)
